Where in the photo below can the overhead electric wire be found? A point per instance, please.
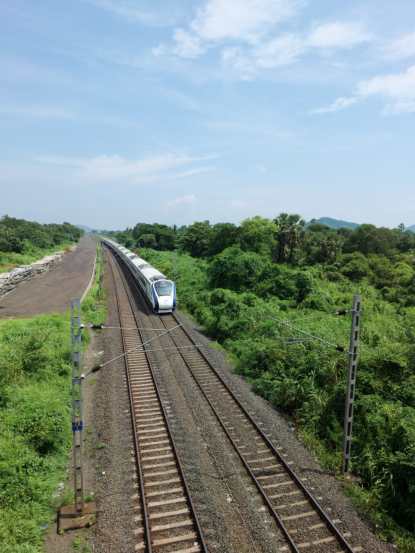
(309, 334)
(139, 347)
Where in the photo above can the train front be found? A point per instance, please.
(164, 294)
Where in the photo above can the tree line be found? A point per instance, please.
(380, 255)
(20, 236)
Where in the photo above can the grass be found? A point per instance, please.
(35, 414)
(94, 307)
(35, 426)
(370, 507)
(80, 545)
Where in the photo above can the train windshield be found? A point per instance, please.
(163, 288)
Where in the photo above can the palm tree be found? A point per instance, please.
(289, 236)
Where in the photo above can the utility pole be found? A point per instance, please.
(80, 514)
(77, 407)
(351, 381)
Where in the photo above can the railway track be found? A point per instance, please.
(305, 525)
(302, 521)
(165, 515)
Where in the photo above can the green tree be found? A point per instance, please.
(147, 241)
(369, 239)
(257, 235)
(196, 239)
(236, 269)
(223, 236)
(289, 236)
(9, 241)
(355, 266)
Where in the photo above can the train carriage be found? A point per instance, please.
(159, 291)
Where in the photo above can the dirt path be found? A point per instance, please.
(52, 291)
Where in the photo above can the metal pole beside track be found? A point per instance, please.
(79, 514)
(77, 407)
(351, 381)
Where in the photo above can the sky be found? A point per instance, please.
(119, 111)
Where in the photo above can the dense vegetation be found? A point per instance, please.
(35, 433)
(257, 287)
(22, 242)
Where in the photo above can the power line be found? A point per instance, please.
(337, 347)
(140, 346)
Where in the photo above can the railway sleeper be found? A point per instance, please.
(152, 450)
(159, 465)
(153, 438)
(169, 514)
(167, 502)
(168, 491)
(168, 481)
(162, 473)
(191, 536)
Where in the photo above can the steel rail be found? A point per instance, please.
(137, 455)
(319, 510)
(244, 462)
(341, 539)
(273, 512)
(179, 464)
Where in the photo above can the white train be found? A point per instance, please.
(157, 289)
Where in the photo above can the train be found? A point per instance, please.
(159, 291)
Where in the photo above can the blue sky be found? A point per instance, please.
(118, 111)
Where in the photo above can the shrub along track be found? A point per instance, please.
(303, 522)
(164, 508)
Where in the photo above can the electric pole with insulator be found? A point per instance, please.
(351, 381)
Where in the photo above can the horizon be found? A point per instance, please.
(115, 112)
(317, 219)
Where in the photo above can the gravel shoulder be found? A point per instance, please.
(52, 291)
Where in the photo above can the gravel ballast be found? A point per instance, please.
(231, 513)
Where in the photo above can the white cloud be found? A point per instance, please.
(402, 47)
(193, 172)
(280, 51)
(244, 20)
(338, 34)
(117, 169)
(188, 199)
(246, 30)
(397, 85)
(287, 48)
(397, 88)
(127, 11)
(36, 112)
(187, 45)
(337, 105)
(218, 21)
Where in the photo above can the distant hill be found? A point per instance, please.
(412, 228)
(335, 223)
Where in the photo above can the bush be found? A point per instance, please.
(236, 270)
(34, 426)
(39, 415)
